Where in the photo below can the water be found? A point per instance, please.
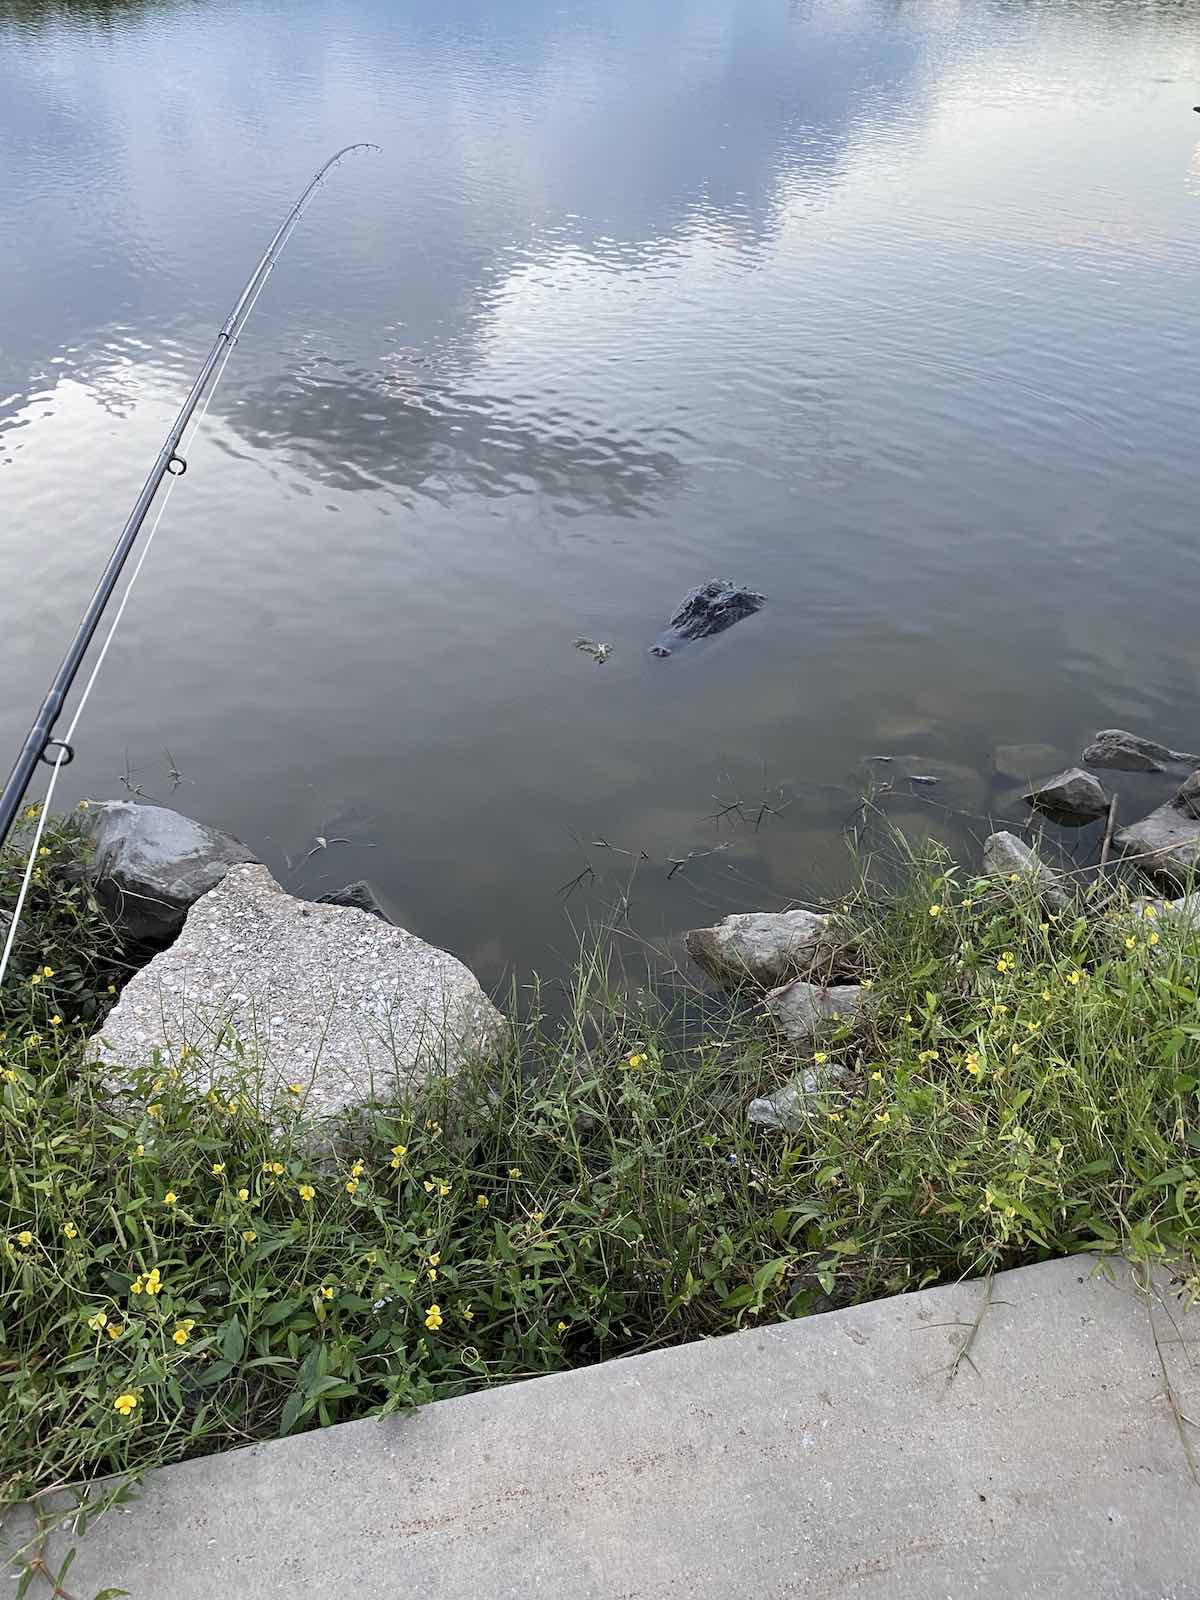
(887, 310)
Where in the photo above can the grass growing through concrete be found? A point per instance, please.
(178, 1275)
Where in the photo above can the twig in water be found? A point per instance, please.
(127, 777)
(580, 878)
(1108, 832)
(173, 771)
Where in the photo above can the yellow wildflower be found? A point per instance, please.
(883, 1118)
(141, 1150)
(443, 1189)
(935, 911)
(1131, 943)
(306, 1192)
(1152, 938)
(433, 1318)
(126, 1404)
(1047, 996)
(1006, 962)
(636, 1059)
(972, 1064)
(56, 1021)
(114, 1330)
(170, 1198)
(1014, 877)
(432, 1274)
(399, 1151)
(351, 1185)
(71, 1231)
(328, 1291)
(834, 1116)
(357, 1170)
(249, 1235)
(560, 1327)
(1075, 978)
(218, 1167)
(295, 1088)
(37, 978)
(137, 1286)
(153, 1281)
(928, 1055)
(877, 1077)
(1149, 910)
(97, 1322)
(243, 1195)
(821, 1058)
(435, 1260)
(466, 1313)
(47, 972)
(153, 1110)
(183, 1331)
(481, 1200)
(24, 1238)
(514, 1172)
(275, 1168)
(428, 1186)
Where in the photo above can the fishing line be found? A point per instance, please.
(172, 464)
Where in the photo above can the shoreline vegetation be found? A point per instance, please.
(180, 1271)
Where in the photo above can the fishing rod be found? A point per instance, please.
(40, 744)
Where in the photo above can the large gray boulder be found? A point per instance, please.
(150, 865)
(1130, 752)
(800, 1008)
(328, 997)
(1073, 796)
(1166, 844)
(1007, 857)
(766, 947)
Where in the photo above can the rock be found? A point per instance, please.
(327, 996)
(710, 609)
(1185, 911)
(149, 865)
(1073, 796)
(786, 1109)
(1006, 856)
(1188, 797)
(360, 895)
(800, 1007)
(766, 947)
(1129, 752)
(1166, 844)
(1021, 761)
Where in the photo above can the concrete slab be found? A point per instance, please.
(839, 1455)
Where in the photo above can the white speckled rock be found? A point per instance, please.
(326, 996)
(765, 947)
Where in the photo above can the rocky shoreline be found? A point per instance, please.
(337, 1000)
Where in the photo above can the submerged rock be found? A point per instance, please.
(324, 996)
(1005, 856)
(710, 609)
(1166, 844)
(149, 865)
(1021, 761)
(1073, 796)
(766, 947)
(361, 896)
(800, 1008)
(1130, 752)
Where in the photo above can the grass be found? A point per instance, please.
(179, 1274)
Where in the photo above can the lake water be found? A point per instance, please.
(889, 310)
